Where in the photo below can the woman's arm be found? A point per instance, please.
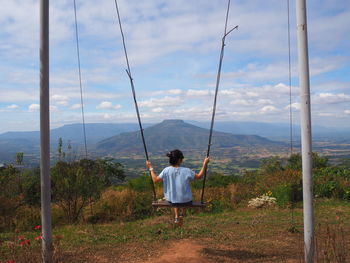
(204, 168)
(155, 177)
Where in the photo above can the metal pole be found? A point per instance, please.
(45, 133)
(304, 83)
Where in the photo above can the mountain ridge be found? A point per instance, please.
(171, 134)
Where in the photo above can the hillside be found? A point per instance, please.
(171, 134)
(28, 141)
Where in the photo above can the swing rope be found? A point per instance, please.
(216, 92)
(290, 109)
(128, 71)
(290, 83)
(80, 82)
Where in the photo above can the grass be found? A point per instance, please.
(259, 235)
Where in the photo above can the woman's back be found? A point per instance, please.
(176, 184)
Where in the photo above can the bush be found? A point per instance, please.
(31, 186)
(332, 182)
(140, 184)
(287, 194)
(74, 184)
(126, 204)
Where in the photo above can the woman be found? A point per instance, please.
(176, 180)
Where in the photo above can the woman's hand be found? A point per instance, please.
(149, 164)
(206, 161)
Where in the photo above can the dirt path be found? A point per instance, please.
(182, 251)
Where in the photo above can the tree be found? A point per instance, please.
(19, 162)
(75, 183)
(61, 154)
(10, 197)
(295, 161)
(31, 186)
(19, 158)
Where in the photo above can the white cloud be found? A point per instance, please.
(53, 108)
(198, 93)
(295, 106)
(329, 98)
(242, 113)
(57, 97)
(33, 107)
(252, 94)
(12, 107)
(107, 116)
(245, 102)
(17, 95)
(268, 109)
(230, 92)
(107, 105)
(325, 114)
(163, 102)
(76, 106)
(63, 103)
(175, 91)
(347, 111)
(159, 109)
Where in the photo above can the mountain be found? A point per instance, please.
(171, 134)
(74, 132)
(28, 142)
(268, 130)
(279, 131)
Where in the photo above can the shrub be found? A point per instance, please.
(286, 194)
(31, 186)
(77, 183)
(126, 204)
(142, 183)
(263, 201)
(332, 182)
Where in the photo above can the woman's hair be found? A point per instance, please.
(175, 156)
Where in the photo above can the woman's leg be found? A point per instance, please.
(176, 212)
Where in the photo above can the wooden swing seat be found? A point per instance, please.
(165, 204)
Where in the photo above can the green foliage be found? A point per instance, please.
(76, 183)
(31, 186)
(142, 206)
(11, 198)
(345, 162)
(216, 206)
(271, 165)
(10, 182)
(19, 158)
(140, 184)
(318, 162)
(216, 180)
(333, 181)
(287, 194)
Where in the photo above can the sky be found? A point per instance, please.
(174, 49)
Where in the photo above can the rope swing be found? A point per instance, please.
(128, 71)
(216, 91)
(80, 82)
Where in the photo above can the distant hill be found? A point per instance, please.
(171, 134)
(74, 132)
(278, 131)
(28, 142)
